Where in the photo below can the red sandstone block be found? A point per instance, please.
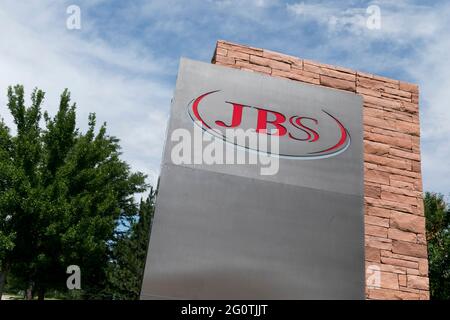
(407, 222)
(401, 191)
(378, 212)
(372, 191)
(392, 205)
(402, 280)
(389, 254)
(385, 161)
(254, 67)
(304, 73)
(387, 124)
(396, 153)
(311, 68)
(389, 280)
(412, 271)
(401, 184)
(372, 254)
(385, 195)
(376, 231)
(405, 86)
(424, 295)
(282, 58)
(376, 176)
(405, 143)
(396, 234)
(399, 262)
(390, 294)
(408, 248)
(416, 167)
(338, 74)
(274, 64)
(238, 47)
(407, 174)
(423, 267)
(221, 52)
(394, 97)
(225, 60)
(293, 76)
(369, 92)
(337, 83)
(418, 282)
(364, 74)
(385, 103)
(376, 221)
(239, 55)
(377, 242)
(409, 107)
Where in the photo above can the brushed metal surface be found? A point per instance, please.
(226, 232)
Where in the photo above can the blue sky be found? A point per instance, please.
(122, 63)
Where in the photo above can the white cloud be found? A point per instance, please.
(421, 32)
(121, 85)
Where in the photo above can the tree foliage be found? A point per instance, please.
(63, 194)
(437, 215)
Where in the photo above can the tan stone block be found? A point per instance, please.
(408, 248)
(389, 162)
(396, 234)
(337, 83)
(417, 282)
(407, 222)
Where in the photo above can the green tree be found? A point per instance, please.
(437, 215)
(66, 194)
(129, 254)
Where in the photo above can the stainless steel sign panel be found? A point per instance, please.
(225, 231)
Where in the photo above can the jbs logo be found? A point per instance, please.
(302, 136)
